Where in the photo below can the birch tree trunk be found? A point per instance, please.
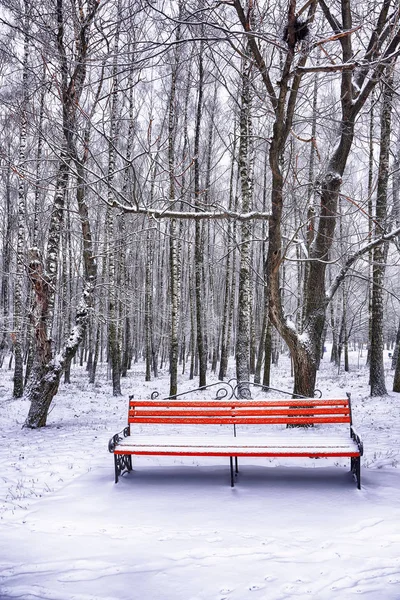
(36, 212)
(18, 388)
(198, 248)
(243, 323)
(371, 164)
(377, 371)
(113, 337)
(174, 256)
(229, 274)
(396, 216)
(48, 368)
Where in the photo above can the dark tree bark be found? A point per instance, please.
(396, 380)
(268, 355)
(198, 248)
(6, 267)
(377, 371)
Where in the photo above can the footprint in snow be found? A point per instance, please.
(255, 587)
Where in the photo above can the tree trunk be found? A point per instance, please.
(305, 369)
(245, 171)
(113, 329)
(148, 315)
(18, 389)
(396, 348)
(396, 380)
(229, 273)
(48, 368)
(174, 269)
(377, 371)
(261, 349)
(6, 270)
(47, 371)
(267, 354)
(198, 249)
(371, 172)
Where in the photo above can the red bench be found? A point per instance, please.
(317, 441)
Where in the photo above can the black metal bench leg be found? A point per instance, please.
(116, 468)
(358, 472)
(355, 464)
(232, 477)
(236, 465)
(122, 463)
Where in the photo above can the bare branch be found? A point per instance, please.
(352, 259)
(256, 53)
(329, 68)
(176, 214)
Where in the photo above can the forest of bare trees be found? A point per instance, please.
(185, 183)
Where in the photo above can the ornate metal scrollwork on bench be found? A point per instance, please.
(117, 438)
(242, 390)
(122, 462)
(225, 390)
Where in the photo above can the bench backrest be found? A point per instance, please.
(240, 412)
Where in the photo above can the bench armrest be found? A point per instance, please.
(117, 438)
(357, 439)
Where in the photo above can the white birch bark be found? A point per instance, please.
(18, 388)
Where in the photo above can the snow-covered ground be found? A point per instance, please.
(174, 529)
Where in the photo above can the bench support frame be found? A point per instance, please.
(355, 464)
(122, 464)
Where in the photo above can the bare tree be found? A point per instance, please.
(21, 236)
(356, 87)
(43, 273)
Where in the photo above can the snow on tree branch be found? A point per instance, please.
(352, 259)
(176, 214)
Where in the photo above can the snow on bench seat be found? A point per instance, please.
(228, 445)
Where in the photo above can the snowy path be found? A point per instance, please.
(174, 529)
(181, 533)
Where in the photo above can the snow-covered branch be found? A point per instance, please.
(176, 214)
(352, 259)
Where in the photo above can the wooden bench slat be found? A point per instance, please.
(239, 412)
(288, 420)
(240, 451)
(236, 403)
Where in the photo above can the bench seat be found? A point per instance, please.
(292, 445)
